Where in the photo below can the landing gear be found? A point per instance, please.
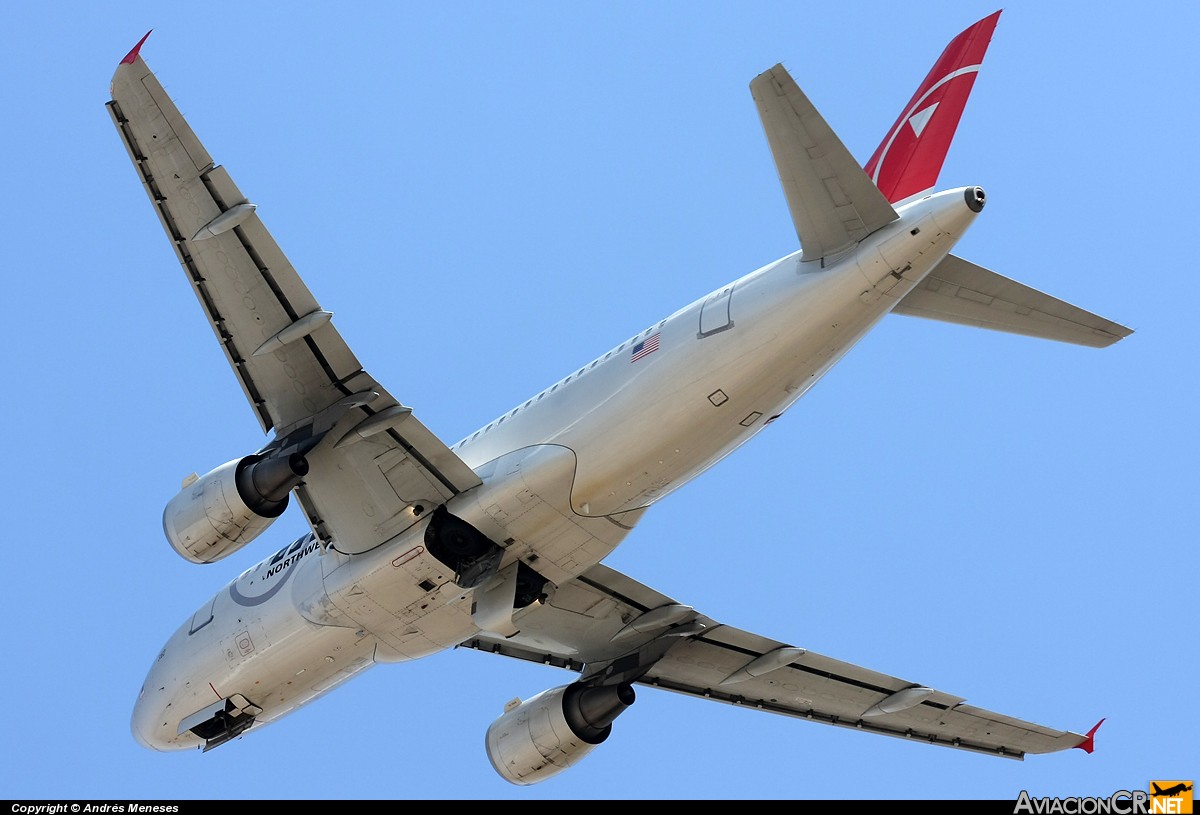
(474, 557)
(462, 547)
(457, 539)
(531, 586)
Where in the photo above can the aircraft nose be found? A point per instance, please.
(151, 726)
(151, 721)
(143, 721)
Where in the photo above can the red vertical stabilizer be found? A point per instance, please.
(910, 157)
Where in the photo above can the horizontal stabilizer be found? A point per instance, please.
(958, 291)
(834, 204)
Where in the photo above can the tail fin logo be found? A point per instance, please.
(921, 118)
(910, 158)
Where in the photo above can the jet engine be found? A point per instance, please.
(219, 513)
(539, 738)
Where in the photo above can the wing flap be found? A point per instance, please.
(958, 291)
(245, 300)
(306, 381)
(266, 252)
(360, 495)
(697, 656)
(833, 202)
(822, 689)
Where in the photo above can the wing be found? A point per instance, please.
(611, 628)
(834, 203)
(958, 291)
(297, 372)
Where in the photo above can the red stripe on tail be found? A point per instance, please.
(910, 157)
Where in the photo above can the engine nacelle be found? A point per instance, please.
(219, 513)
(539, 738)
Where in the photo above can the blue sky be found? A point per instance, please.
(487, 195)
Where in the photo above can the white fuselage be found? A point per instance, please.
(565, 475)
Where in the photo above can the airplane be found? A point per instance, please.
(1170, 791)
(497, 542)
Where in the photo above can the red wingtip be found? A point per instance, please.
(1089, 741)
(132, 55)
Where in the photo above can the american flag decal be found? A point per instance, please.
(645, 347)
